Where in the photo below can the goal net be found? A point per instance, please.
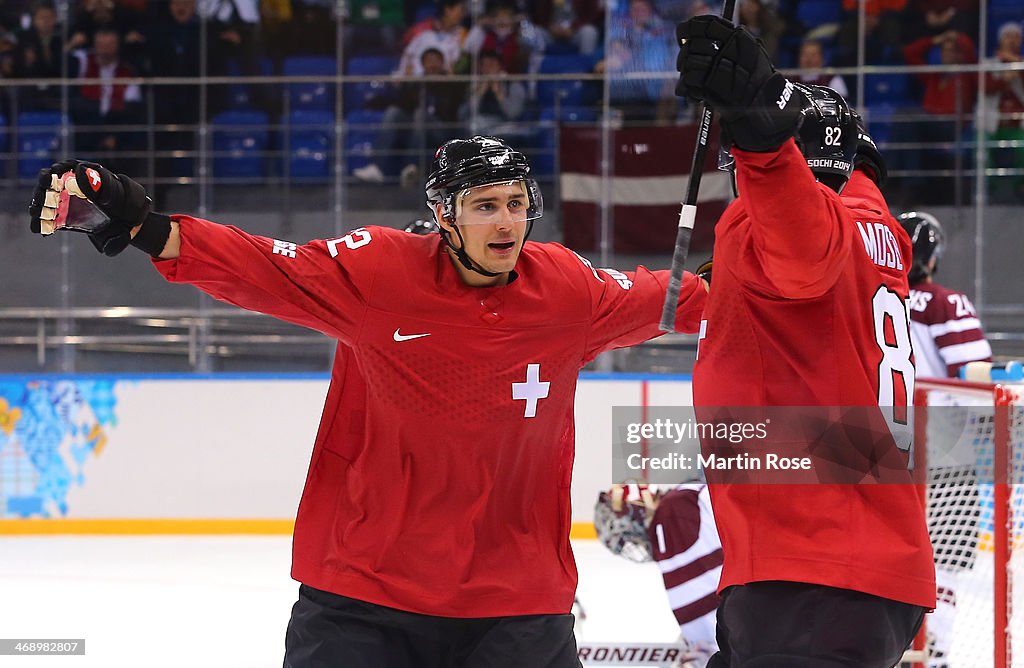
(970, 442)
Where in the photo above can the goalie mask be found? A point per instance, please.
(460, 167)
(929, 242)
(827, 135)
(621, 516)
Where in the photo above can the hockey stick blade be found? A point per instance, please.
(688, 212)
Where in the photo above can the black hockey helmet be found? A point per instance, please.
(461, 164)
(928, 239)
(827, 135)
(421, 226)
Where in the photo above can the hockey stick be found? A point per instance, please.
(688, 212)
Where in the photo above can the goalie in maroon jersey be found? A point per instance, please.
(433, 530)
(808, 310)
(674, 526)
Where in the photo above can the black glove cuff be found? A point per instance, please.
(771, 119)
(153, 235)
(875, 169)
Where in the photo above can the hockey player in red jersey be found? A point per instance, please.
(434, 526)
(943, 323)
(808, 309)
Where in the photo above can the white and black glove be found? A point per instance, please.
(726, 67)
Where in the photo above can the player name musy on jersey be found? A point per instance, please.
(881, 245)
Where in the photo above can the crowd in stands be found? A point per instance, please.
(634, 46)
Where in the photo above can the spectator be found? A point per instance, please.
(95, 14)
(946, 93)
(422, 117)
(311, 30)
(929, 18)
(108, 104)
(39, 54)
(235, 48)
(883, 39)
(444, 32)
(495, 104)
(570, 24)
(760, 19)
(949, 97)
(174, 52)
(1008, 90)
(498, 31)
(640, 42)
(812, 57)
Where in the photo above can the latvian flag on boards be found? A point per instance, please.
(649, 172)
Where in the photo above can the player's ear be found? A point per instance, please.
(439, 217)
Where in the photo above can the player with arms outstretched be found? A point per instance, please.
(433, 529)
(809, 309)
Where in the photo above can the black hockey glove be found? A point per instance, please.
(120, 198)
(725, 66)
(868, 158)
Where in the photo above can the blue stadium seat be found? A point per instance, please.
(361, 138)
(359, 93)
(240, 94)
(318, 96)
(38, 141)
(310, 145)
(813, 13)
(880, 124)
(240, 143)
(573, 93)
(889, 89)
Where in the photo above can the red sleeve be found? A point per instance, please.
(627, 306)
(916, 53)
(320, 285)
(968, 54)
(795, 222)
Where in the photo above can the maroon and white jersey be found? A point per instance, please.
(685, 545)
(439, 479)
(945, 331)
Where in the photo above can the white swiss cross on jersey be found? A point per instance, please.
(531, 391)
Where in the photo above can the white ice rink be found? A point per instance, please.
(224, 601)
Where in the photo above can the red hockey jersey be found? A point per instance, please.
(439, 480)
(945, 330)
(808, 308)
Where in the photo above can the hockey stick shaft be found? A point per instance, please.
(688, 212)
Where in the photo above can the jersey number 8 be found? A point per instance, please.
(896, 368)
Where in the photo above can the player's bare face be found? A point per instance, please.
(492, 220)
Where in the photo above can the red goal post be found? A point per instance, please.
(979, 422)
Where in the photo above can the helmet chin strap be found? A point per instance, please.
(462, 255)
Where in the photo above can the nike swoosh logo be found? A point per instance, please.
(408, 337)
